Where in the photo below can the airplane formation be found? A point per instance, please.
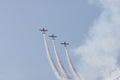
(63, 73)
(53, 36)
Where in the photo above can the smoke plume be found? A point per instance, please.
(75, 73)
(63, 70)
(102, 46)
(56, 71)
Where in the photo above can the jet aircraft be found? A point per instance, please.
(43, 30)
(53, 36)
(65, 44)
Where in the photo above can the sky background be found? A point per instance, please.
(22, 52)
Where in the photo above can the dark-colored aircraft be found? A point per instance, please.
(53, 36)
(65, 44)
(43, 30)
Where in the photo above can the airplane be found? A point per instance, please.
(43, 30)
(65, 44)
(53, 36)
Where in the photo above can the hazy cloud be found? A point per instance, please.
(100, 50)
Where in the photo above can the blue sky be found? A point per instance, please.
(22, 52)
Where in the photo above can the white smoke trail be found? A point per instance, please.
(59, 62)
(75, 73)
(57, 73)
(99, 52)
